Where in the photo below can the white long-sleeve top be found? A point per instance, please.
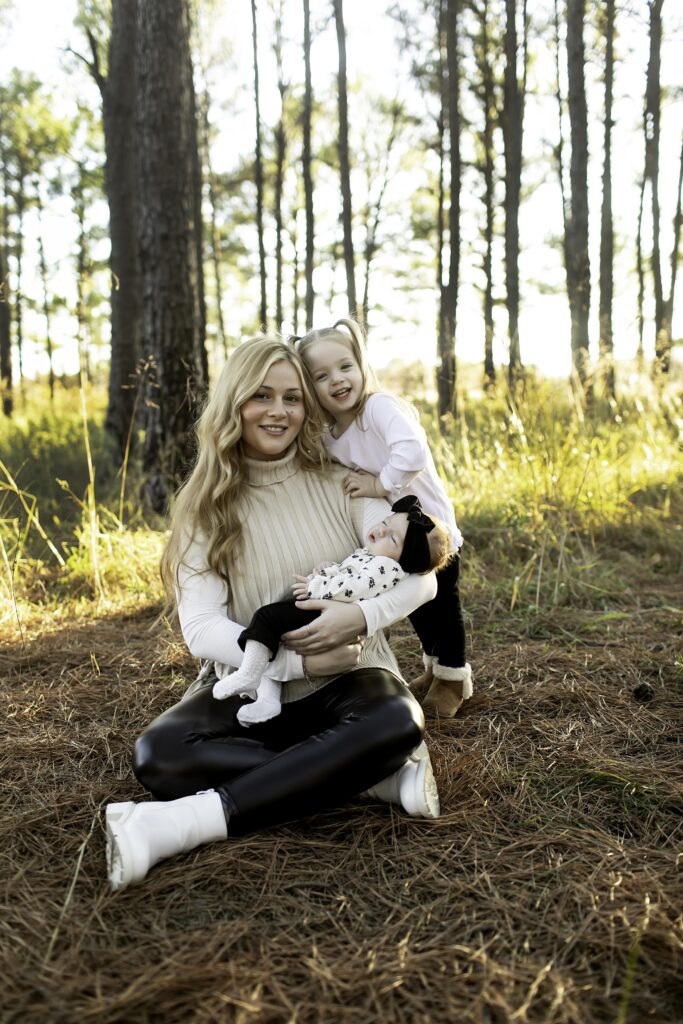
(388, 441)
(359, 577)
(294, 519)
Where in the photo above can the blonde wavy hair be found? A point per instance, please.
(209, 500)
(354, 337)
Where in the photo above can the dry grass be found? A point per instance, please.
(550, 890)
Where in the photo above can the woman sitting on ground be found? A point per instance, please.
(262, 504)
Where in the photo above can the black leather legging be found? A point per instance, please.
(320, 751)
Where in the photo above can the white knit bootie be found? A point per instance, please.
(248, 676)
(140, 835)
(267, 705)
(413, 786)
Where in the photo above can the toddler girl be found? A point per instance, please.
(407, 541)
(383, 444)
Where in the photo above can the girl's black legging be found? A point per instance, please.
(318, 752)
(439, 623)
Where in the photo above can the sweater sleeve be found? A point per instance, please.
(207, 630)
(401, 431)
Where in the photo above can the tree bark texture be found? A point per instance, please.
(344, 162)
(307, 115)
(172, 300)
(514, 88)
(118, 91)
(258, 172)
(578, 265)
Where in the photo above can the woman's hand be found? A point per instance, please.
(338, 623)
(340, 659)
(360, 484)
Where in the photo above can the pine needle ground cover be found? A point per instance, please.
(549, 891)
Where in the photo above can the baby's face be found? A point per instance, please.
(387, 537)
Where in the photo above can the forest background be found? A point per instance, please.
(494, 188)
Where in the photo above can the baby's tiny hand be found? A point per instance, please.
(300, 587)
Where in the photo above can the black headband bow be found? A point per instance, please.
(415, 556)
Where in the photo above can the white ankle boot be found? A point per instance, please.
(413, 786)
(140, 835)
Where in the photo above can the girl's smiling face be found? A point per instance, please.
(336, 377)
(387, 537)
(273, 416)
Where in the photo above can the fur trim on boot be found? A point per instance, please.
(451, 686)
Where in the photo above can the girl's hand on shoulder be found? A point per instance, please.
(359, 484)
(338, 624)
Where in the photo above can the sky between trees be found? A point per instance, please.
(402, 316)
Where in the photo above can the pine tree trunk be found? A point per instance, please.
(20, 201)
(5, 336)
(513, 127)
(652, 134)
(214, 234)
(5, 315)
(578, 265)
(42, 262)
(446, 369)
(307, 175)
(258, 172)
(344, 163)
(118, 91)
(201, 355)
(81, 262)
(172, 300)
(640, 271)
(489, 114)
(441, 201)
(606, 225)
(280, 154)
(374, 211)
(665, 338)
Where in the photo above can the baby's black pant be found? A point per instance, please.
(439, 623)
(270, 621)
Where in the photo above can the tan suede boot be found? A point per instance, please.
(419, 685)
(450, 688)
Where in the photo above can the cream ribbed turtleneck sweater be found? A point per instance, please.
(293, 520)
